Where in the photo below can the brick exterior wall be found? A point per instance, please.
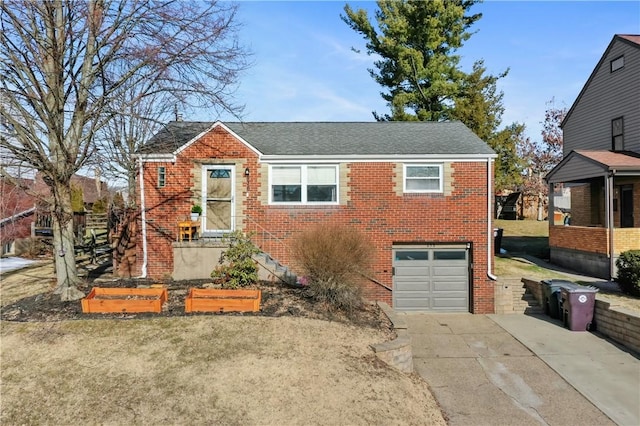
(371, 199)
(584, 238)
(587, 232)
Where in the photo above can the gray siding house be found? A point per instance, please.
(601, 165)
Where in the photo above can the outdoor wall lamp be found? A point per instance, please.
(246, 172)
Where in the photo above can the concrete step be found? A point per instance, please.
(272, 269)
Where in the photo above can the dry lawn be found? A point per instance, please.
(230, 370)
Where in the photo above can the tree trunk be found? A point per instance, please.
(63, 241)
(540, 207)
(131, 183)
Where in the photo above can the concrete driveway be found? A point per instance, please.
(482, 375)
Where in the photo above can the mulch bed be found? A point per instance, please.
(277, 300)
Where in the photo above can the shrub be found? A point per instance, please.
(100, 206)
(629, 272)
(237, 267)
(77, 197)
(333, 257)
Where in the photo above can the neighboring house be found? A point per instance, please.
(93, 189)
(24, 211)
(421, 191)
(17, 209)
(601, 165)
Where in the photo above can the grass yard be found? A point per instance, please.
(525, 237)
(198, 370)
(204, 370)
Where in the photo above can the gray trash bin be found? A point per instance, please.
(551, 293)
(578, 305)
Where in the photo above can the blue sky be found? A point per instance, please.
(305, 70)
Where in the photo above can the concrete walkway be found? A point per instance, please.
(523, 370)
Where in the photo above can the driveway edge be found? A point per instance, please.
(397, 352)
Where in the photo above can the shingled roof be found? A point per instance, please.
(331, 138)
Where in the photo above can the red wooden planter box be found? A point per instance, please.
(217, 300)
(114, 300)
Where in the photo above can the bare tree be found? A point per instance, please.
(541, 157)
(63, 62)
(124, 134)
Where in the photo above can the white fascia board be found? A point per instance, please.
(319, 159)
(157, 158)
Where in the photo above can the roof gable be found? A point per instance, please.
(630, 39)
(347, 139)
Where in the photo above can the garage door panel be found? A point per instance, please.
(420, 271)
(439, 283)
(455, 271)
(412, 304)
(407, 286)
(450, 286)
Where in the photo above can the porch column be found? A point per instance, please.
(609, 218)
(552, 207)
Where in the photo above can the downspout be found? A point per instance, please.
(609, 218)
(143, 218)
(489, 221)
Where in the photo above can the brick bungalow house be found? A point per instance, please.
(422, 192)
(601, 165)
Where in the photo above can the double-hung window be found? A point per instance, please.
(304, 184)
(423, 178)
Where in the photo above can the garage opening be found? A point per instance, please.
(431, 278)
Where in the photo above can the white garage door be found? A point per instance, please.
(431, 278)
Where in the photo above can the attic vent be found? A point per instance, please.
(617, 63)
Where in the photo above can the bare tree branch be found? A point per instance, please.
(66, 65)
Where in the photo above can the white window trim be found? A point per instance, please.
(304, 183)
(423, 191)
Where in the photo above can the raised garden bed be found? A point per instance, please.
(218, 300)
(116, 300)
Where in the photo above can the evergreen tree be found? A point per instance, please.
(416, 41)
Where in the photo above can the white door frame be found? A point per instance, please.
(206, 169)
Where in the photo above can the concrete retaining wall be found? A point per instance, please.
(396, 353)
(617, 323)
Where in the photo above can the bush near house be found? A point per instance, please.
(237, 267)
(629, 272)
(333, 258)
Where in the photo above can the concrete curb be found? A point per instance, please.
(397, 352)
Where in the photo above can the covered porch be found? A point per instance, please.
(604, 215)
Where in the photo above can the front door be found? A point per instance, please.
(626, 206)
(218, 189)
